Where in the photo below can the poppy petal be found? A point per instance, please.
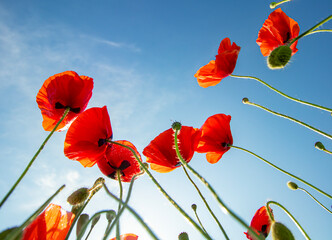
(260, 223)
(128, 236)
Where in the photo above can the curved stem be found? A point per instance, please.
(206, 204)
(275, 4)
(164, 192)
(18, 230)
(199, 221)
(290, 118)
(119, 207)
(34, 157)
(281, 170)
(215, 195)
(310, 30)
(290, 215)
(283, 94)
(315, 199)
(320, 30)
(132, 212)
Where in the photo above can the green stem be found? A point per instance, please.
(281, 170)
(310, 30)
(34, 157)
(320, 30)
(18, 230)
(290, 215)
(315, 199)
(290, 118)
(164, 192)
(206, 204)
(283, 94)
(275, 4)
(199, 221)
(87, 236)
(119, 207)
(215, 195)
(132, 212)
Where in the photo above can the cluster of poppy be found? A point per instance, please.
(278, 30)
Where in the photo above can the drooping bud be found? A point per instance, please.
(279, 57)
(176, 126)
(110, 215)
(95, 220)
(194, 207)
(280, 232)
(76, 208)
(146, 165)
(97, 185)
(79, 196)
(183, 236)
(245, 100)
(320, 146)
(82, 220)
(292, 185)
(273, 5)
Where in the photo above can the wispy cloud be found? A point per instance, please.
(131, 47)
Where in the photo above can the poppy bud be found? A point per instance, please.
(194, 207)
(183, 236)
(76, 208)
(273, 5)
(82, 220)
(95, 220)
(176, 126)
(79, 196)
(279, 57)
(280, 232)
(245, 100)
(292, 185)
(319, 146)
(9, 231)
(110, 215)
(146, 165)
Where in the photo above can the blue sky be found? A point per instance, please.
(142, 56)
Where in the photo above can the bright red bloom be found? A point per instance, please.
(161, 150)
(260, 223)
(215, 135)
(120, 158)
(86, 139)
(277, 30)
(212, 73)
(53, 223)
(60, 91)
(128, 236)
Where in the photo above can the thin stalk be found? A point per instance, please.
(310, 30)
(275, 4)
(320, 30)
(119, 207)
(290, 118)
(199, 221)
(18, 230)
(206, 204)
(290, 215)
(164, 192)
(283, 171)
(215, 195)
(283, 94)
(34, 157)
(132, 211)
(87, 236)
(315, 199)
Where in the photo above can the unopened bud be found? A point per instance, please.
(95, 220)
(9, 231)
(280, 232)
(245, 100)
(110, 215)
(82, 220)
(319, 146)
(76, 208)
(273, 5)
(183, 236)
(194, 207)
(176, 126)
(279, 57)
(79, 196)
(146, 165)
(292, 185)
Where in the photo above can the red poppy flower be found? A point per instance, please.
(277, 30)
(128, 236)
(86, 137)
(60, 91)
(161, 150)
(120, 158)
(260, 223)
(212, 73)
(53, 223)
(215, 135)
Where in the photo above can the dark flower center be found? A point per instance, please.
(60, 106)
(124, 165)
(287, 37)
(263, 230)
(102, 141)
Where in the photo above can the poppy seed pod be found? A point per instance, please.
(280, 232)
(176, 126)
(194, 206)
(79, 196)
(110, 215)
(319, 146)
(245, 100)
(183, 236)
(292, 185)
(279, 57)
(273, 5)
